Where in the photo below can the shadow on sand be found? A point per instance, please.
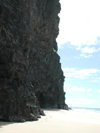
(52, 109)
(2, 123)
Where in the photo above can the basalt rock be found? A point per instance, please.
(30, 71)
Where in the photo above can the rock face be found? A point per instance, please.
(30, 72)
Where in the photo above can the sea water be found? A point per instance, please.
(87, 109)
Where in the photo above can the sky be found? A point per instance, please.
(79, 50)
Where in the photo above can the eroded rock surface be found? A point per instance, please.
(30, 71)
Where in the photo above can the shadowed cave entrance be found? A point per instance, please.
(45, 101)
(4, 106)
(41, 99)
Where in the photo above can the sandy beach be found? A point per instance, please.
(57, 121)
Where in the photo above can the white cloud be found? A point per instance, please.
(90, 95)
(82, 102)
(99, 91)
(80, 22)
(87, 51)
(89, 90)
(80, 74)
(68, 69)
(71, 89)
(76, 89)
(86, 55)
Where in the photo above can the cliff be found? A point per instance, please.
(30, 72)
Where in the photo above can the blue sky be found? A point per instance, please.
(79, 49)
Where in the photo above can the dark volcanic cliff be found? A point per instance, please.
(30, 72)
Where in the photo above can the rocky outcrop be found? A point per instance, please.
(30, 72)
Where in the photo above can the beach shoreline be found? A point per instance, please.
(57, 121)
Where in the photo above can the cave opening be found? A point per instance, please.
(42, 100)
(0, 10)
(46, 101)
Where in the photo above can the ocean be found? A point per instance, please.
(87, 109)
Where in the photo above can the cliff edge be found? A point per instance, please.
(30, 72)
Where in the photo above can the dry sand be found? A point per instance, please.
(57, 121)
